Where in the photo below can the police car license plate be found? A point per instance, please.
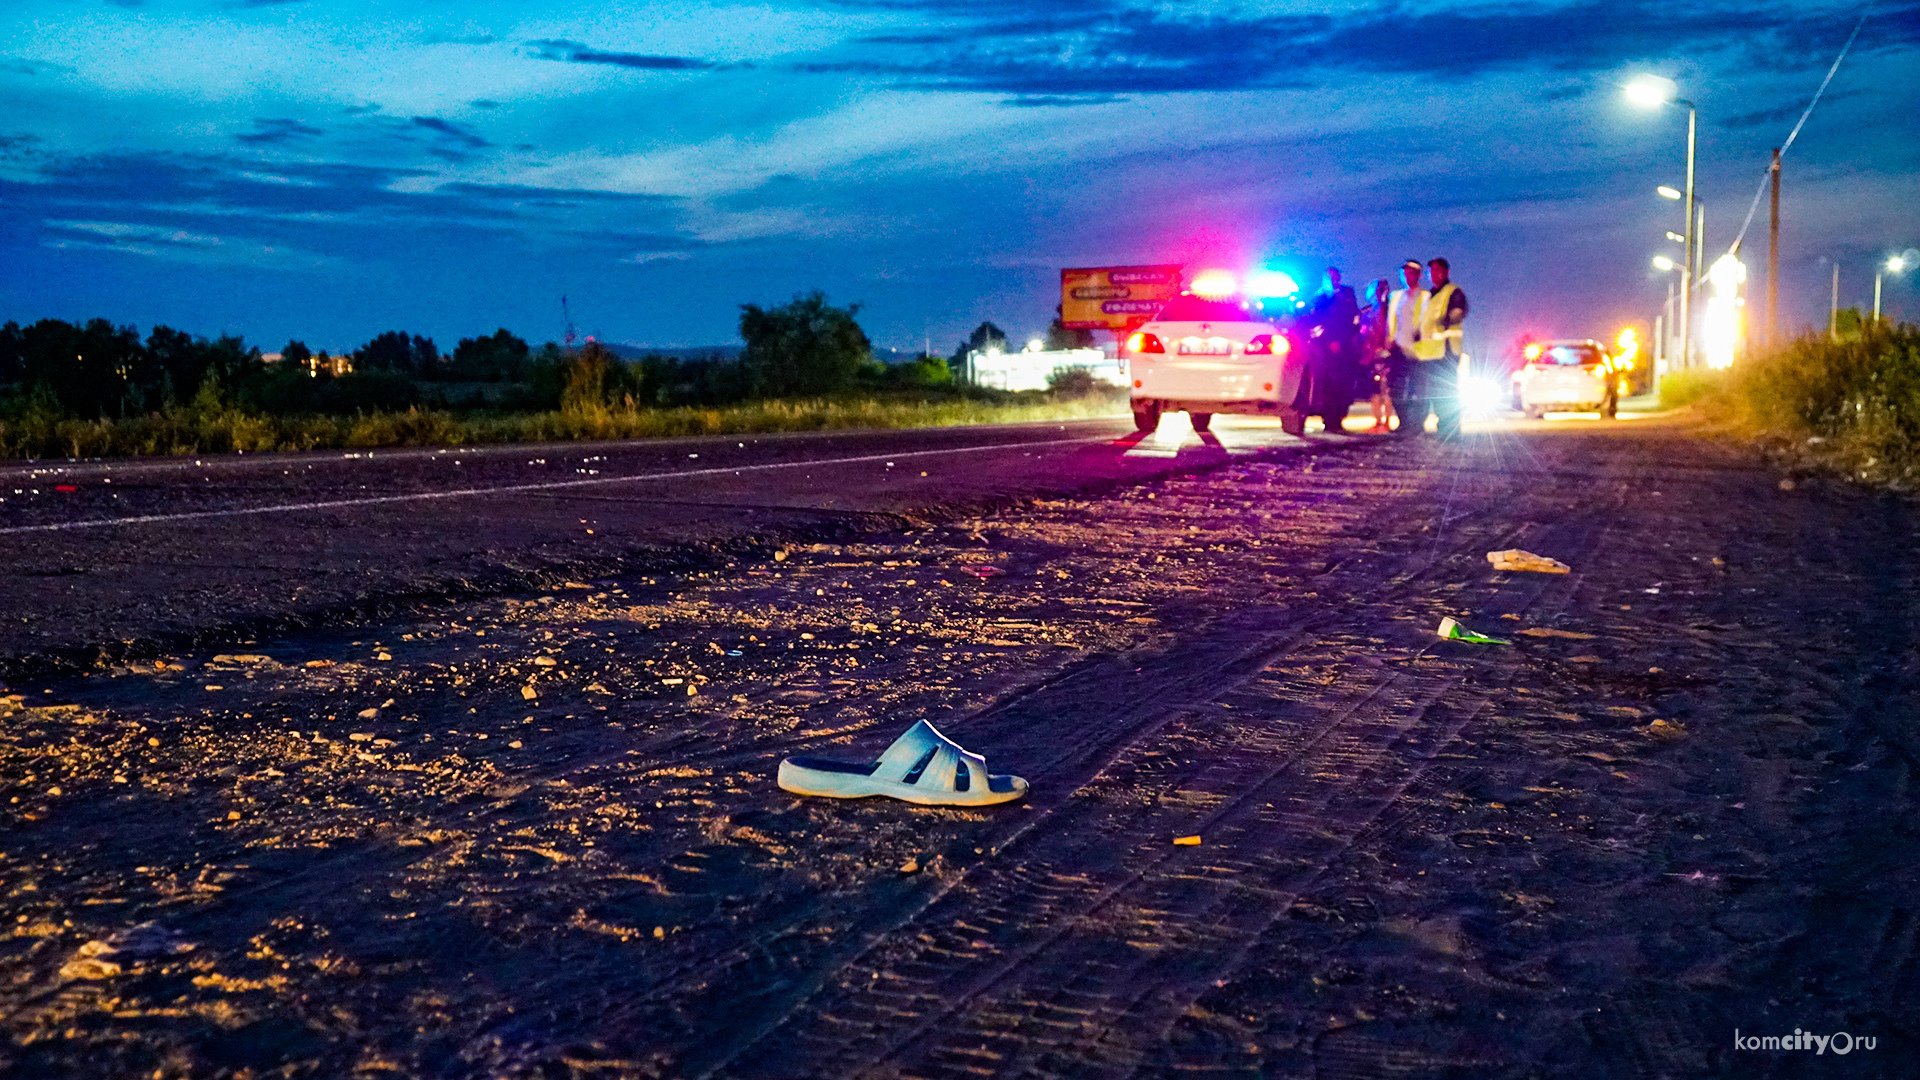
(1204, 347)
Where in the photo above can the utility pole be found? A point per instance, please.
(1833, 306)
(1773, 259)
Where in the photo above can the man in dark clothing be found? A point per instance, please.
(1376, 335)
(1333, 352)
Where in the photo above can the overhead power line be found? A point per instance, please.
(1766, 173)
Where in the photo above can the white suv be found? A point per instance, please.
(1213, 354)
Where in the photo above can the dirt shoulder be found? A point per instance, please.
(538, 835)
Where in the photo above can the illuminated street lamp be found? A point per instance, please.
(1651, 92)
(1896, 265)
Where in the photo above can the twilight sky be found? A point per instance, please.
(329, 169)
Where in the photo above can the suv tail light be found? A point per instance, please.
(1145, 343)
(1268, 345)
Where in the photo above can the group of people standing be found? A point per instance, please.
(1402, 350)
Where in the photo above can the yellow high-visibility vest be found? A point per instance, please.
(1433, 337)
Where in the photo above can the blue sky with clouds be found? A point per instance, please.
(329, 169)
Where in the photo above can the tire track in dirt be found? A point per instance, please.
(1426, 563)
(1007, 1033)
(1100, 698)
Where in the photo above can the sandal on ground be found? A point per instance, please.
(922, 766)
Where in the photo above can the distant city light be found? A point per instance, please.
(1036, 345)
(1651, 91)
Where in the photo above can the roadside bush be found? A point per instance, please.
(1072, 382)
(806, 346)
(1682, 388)
(1856, 399)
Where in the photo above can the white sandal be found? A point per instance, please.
(922, 766)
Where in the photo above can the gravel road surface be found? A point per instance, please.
(534, 833)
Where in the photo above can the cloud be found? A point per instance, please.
(452, 132)
(176, 245)
(1782, 113)
(17, 65)
(163, 202)
(1052, 100)
(484, 103)
(576, 53)
(274, 130)
(1111, 47)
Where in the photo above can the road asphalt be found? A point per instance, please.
(527, 825)
(116, 560)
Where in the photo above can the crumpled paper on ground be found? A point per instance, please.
(1516, 559)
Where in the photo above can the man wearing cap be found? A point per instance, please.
(1403, 334)
(1435, 382)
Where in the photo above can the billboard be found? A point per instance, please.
(1117, 298)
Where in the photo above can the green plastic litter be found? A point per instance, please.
(1453, 631)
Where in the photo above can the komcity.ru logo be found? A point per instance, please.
(1839, 1042)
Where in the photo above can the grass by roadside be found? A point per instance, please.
(1849, 406)
(209, 426)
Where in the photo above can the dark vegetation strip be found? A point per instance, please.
(1848, 404)
(98, 390)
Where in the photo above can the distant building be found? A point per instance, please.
(1033, 369)
(316, 363)
(332, 365)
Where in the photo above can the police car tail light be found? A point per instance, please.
(1267, 345)
(1145, 343)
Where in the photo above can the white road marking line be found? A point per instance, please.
(282, 508)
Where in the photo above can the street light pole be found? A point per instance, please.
(1693, 239)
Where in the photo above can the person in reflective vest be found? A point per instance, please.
(1434, 385)
(1403, 333)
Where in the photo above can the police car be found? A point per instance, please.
(1215, 350)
